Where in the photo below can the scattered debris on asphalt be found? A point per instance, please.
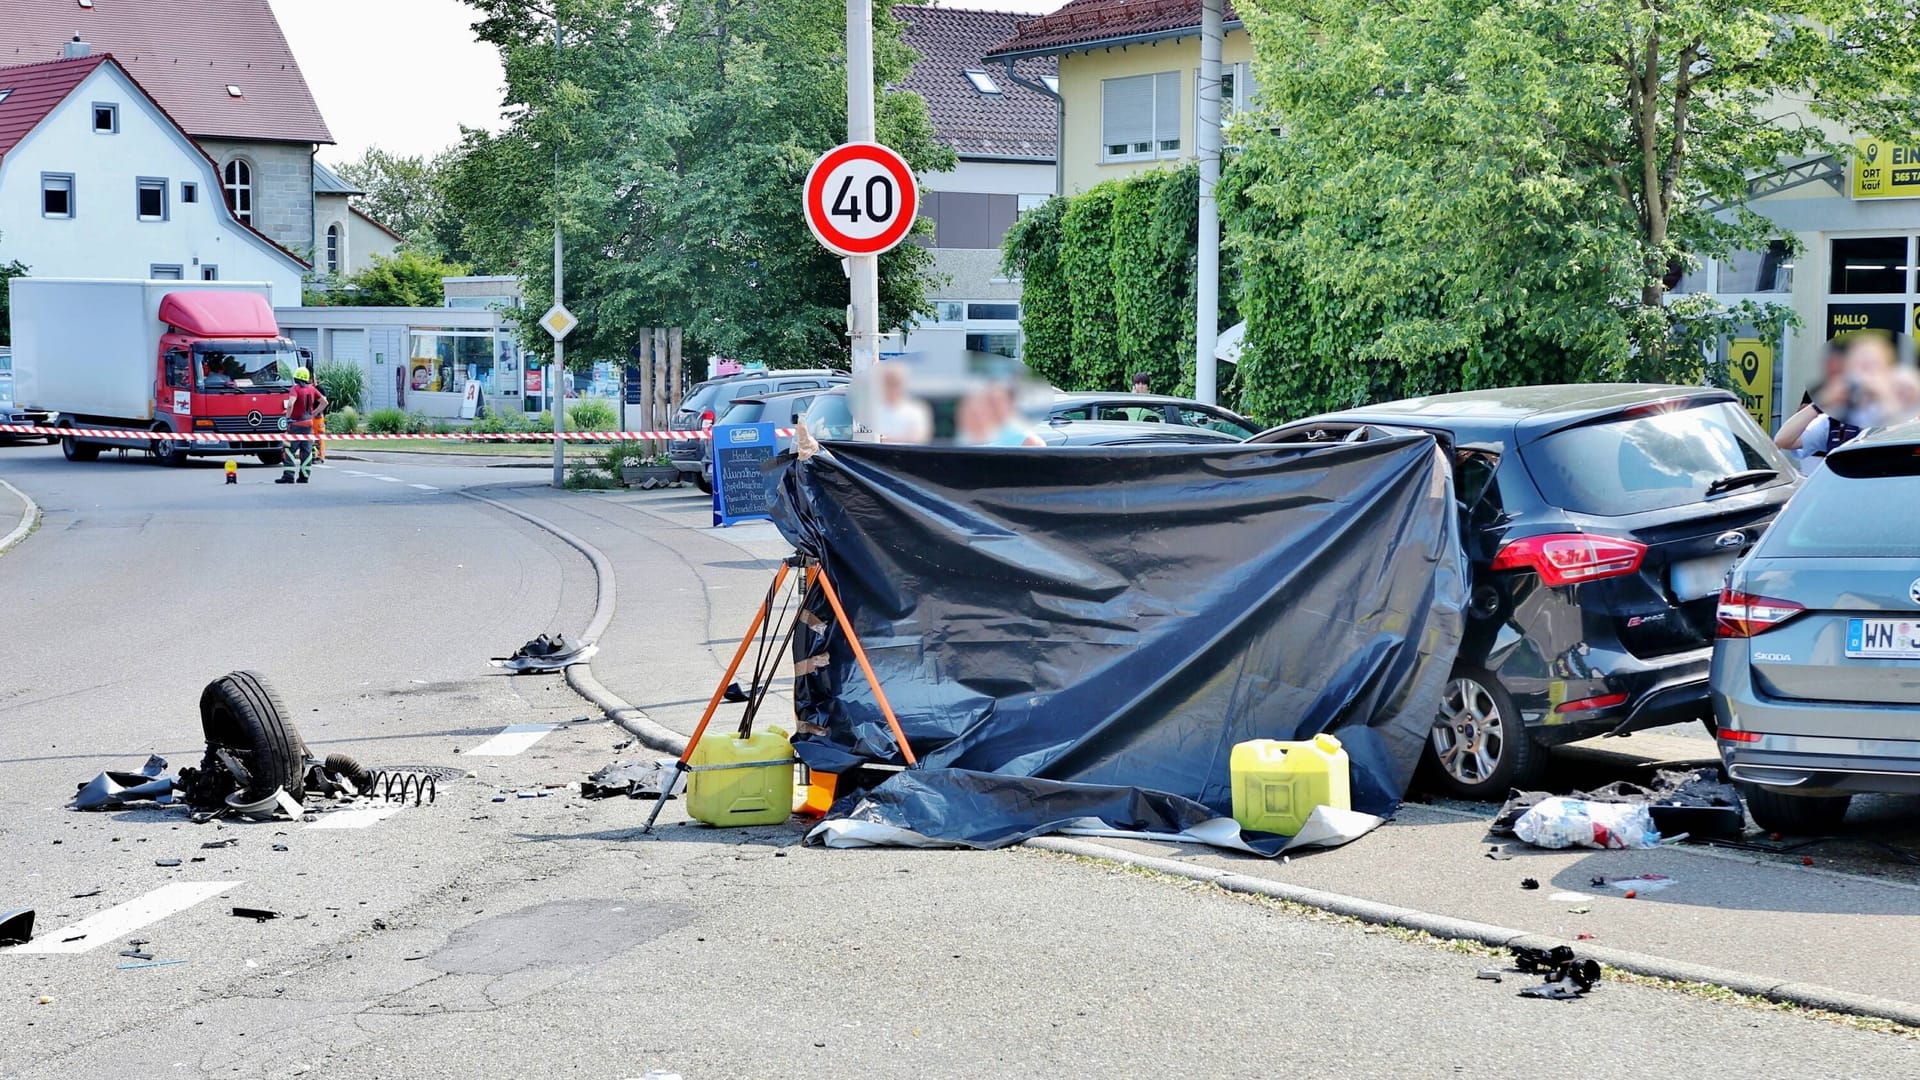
(1529, 883)
(84, 895)
(150, 964)
(734, 694)
(1558, 822)
(254, 913)
(166, 862)
(1695, 802)
(16, 926)
(1490, 974)
(545, 654)
(634, 779)
(1564, 975)
(1499, 853)
(136, 954)
(231, 841)
(1638, 883)
(149, 784)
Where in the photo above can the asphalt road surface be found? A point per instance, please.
(509, 928)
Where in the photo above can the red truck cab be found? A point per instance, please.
(223, 368)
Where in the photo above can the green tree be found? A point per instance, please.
(401, 192)
(1465, 192)
(406, 279)
(9, 269)
(684, 131)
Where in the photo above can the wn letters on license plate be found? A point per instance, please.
(1883, 639)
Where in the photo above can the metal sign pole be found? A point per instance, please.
(556, 381)
(863, 271)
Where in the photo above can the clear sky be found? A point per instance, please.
(399, 74)
(404, 75)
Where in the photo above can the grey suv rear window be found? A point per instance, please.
(1650, 462)
(1867, 508)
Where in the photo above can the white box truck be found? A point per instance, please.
(153, 358)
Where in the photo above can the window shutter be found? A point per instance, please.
(1166, 121)
(1126, 111)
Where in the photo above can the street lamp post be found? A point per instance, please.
(556, 379)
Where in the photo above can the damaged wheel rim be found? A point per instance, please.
(1470, 734)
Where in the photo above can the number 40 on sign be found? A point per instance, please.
(861, 199)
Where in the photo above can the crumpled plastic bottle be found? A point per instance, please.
(1565, 823)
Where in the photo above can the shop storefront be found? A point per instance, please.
(421, 360)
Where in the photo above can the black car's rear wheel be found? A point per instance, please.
(1479, 748)
(1783, 812)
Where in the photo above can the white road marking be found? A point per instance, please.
(355, 472)
(512, 740)
(388, 479)
(115, 923)
(321, 465)
(424, 487)
(354, 819)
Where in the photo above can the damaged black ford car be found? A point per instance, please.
(1600, 522)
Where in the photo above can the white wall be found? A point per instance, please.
(105, 237)
(365, 240)
(993, 178)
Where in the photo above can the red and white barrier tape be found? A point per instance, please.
(288, 436)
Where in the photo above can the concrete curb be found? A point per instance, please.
(27, 520)
(631, 718)
(1801, 994)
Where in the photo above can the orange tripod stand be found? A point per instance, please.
(816, 577)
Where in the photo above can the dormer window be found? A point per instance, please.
(5, 94)
(232, 90)
(983, 82)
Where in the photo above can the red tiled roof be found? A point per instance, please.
(33, 91)
(39, 88)
(1018, 122)
(1084, 23)
(185, 54)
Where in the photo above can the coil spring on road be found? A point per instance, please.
(397, 785)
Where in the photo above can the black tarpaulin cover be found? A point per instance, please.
(1113, 621)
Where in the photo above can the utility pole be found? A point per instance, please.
(556, 378)
(863, 271)
(1206, 322)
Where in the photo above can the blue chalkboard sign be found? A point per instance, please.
(738, 452)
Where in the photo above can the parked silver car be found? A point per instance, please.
(1816, 666)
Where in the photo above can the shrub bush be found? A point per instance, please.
(591, 414)
(344, 421)
(344, 384)
(388, 422)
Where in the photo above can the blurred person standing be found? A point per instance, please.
(898, 416)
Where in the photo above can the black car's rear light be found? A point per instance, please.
(1572, 558)
(1743, 615)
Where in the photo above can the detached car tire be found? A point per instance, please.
(1779, 811)
(240, 713)
(1480, 747)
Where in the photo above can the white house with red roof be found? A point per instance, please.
(98, 180)
(225, 73)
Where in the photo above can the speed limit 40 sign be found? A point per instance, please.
(861, 199)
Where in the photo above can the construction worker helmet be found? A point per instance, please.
(301, 374)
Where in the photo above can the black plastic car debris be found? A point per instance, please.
(634, 779)
(136, 954)
(545, 654)
(1529, 883)
(1564, 975)
(1551, 992)
(734, 694)
(255, 913)
(231, 841)
(1694, 802)
(16, 926)
(166, 862)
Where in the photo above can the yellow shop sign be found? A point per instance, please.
(1885, 170)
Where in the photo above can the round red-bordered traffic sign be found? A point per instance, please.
(860, 199)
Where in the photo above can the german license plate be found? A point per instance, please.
(1696, 578)
(1883, 639)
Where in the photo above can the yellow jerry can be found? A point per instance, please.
(753, 786)
(1277, 784)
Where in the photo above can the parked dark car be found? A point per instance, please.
(1601, 522)
(1109, 433)
(710, 400)
(1816, 673)
(780, 410)
(13, 413)
(1151, 409)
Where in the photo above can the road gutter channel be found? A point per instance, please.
(652, 735)
(27, 520)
